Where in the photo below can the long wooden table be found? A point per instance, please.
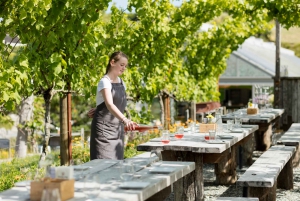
(265, 120)
(193, 147)
(156, 184)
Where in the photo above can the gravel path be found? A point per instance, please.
(213, 191)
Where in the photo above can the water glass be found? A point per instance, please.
(238, 122)
(212, 134)
(127, 171)
(153, 154)
(268, 107)
(192, 127)
(230, 124)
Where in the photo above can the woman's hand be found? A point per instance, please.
(91, 112)
(130, 125)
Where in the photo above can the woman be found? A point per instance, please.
(107, 130)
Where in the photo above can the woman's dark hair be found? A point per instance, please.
(116, 56)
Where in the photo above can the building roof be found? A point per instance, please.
(254, 63)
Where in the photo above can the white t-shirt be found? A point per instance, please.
(102, 84)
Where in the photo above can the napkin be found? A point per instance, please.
(161, 169)
(237, 131)
(134, 185)
(267, 115)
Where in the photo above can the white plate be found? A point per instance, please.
(215, 141)
(225, 136)
(79, 168)
(237, 131)
(161, 169)
(266, 115)
(247, 126)
(134, 185)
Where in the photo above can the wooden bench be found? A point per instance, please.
(236, 199)
(292, 138)
(271, 170)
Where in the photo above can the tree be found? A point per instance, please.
(60, 39)
(67, 43)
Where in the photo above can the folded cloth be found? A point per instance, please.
(267, 115)
(237, 131)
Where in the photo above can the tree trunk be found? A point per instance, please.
(47, 98)
(161, 103)
(25, 114)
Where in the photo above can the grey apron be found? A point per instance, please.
(107, 131)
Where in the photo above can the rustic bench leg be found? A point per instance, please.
(263, 193)
(225, 169)
(296, 157)
(161, 195)
(191, 186)
(285, 178)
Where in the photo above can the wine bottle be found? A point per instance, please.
(141, 128)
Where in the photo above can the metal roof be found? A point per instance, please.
(254, 63)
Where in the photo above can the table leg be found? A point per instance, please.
(263, 137)
(161, 195)
(189, 187)
(225, 169)
(247, 146)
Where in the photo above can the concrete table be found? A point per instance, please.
(151, 183)
(193, 147)
(265, 120)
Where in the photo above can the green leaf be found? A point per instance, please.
(5, 96)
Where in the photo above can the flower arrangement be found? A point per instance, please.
(211, 118)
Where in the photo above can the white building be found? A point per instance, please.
(253, 64)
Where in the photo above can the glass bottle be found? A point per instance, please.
(219, 123)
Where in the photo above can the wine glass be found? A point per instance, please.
(91, 186)
(180, 132)
(165, 139)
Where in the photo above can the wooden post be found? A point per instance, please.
(69, 127)
(64, 151)
(166, 100)
(193, 111)
(277, 75)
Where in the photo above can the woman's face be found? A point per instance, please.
(119, 67)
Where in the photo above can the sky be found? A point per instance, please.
(123, 3)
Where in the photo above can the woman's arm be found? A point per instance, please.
(107, 96)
